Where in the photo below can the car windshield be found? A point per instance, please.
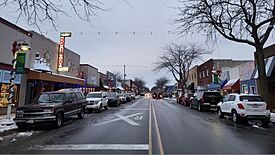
(251, 99)
(94, 95)
(212, 94)
(112, 94)
(50, 98)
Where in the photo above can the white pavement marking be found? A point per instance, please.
(127, 120)
(161, 150)
(117, 119)
(138, 118)
(72, 147)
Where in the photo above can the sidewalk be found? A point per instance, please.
(5, 124)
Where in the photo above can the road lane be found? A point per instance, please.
(88, 134)
(187, 131)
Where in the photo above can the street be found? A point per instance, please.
(145, 126)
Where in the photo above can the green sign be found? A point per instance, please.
(20, 63)
(216, 79)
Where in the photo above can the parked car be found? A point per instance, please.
(113, 99)
(133, 96)
(180, 98)
(122, 98)
(97, 100)
(128, 97)
(187, 99)
(244, 107)
(205, 100)
(51, 107)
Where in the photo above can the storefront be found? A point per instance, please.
(232, 86)
(39, 82)
(4, 85)
(248, 86)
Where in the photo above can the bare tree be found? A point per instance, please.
(244, 21)
(35, 12)
(140, 83)
(161, 82)
(178, 59)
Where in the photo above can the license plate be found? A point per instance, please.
(30, 121)
(255, 106)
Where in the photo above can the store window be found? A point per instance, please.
(4, 94)
(245, 89)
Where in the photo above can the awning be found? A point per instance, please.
(269, 66)
(214, 86)
(232, 84)
(36, 75)
(120, 88)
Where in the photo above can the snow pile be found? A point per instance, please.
(24, 134)
(7, 124)
(272, 119)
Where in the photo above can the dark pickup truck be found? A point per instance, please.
(51, 107)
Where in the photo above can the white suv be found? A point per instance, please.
(244, 106)
(97, 100)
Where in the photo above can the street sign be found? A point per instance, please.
(65, 34)
(20, 63)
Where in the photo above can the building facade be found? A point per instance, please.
(8, 34)
(90, 74)
(40, 72)
(206, 75)
(192, 81)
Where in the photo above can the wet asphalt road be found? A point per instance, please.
(145, 126)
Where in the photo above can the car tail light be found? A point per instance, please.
(240, 106)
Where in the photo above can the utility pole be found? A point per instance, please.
(124, 75)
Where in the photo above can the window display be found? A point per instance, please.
(4, 94)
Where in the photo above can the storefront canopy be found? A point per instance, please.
(269, 67)
(233, 84)
(214, 86)
(36, 75)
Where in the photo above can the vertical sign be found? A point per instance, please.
(20, 63)
(61, 52)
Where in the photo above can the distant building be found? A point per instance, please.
(90, 74)
(192, 81)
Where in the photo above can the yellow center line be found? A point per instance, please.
(150, 152)
(161, 150)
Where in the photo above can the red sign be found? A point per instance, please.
(61, 52)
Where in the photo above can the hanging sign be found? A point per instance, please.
(20, 63)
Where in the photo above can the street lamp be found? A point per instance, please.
(17, 47)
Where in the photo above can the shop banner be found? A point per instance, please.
(20, 63)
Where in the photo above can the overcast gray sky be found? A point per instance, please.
(138, 52)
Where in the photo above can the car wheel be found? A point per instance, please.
(191, 106)
(200, 107)
(21, 126)
(266, 122)
(99, 109)
(59, 120)
(81, 114)
(106, 107)
(235, 117)
(220, 113)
